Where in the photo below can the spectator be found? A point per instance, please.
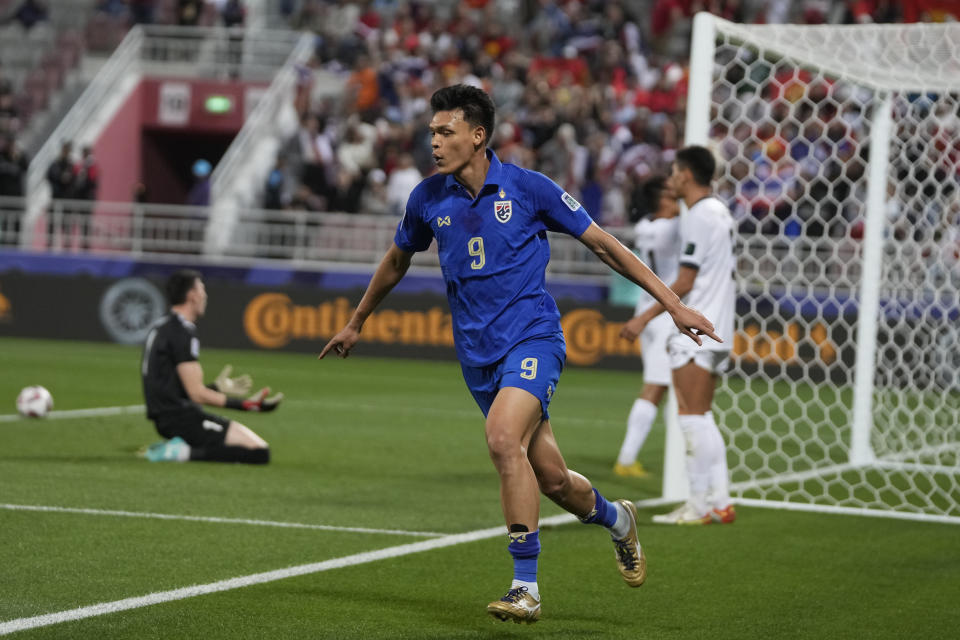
(13, 171)
(374, 200)
(362, 88)
(273, 193)
(141, 11)
(305, 200)
(13, 167)
(87, 176)
(614, 75)
(62, 178)
(233, 15)
(401, 182)
(355, 157)
(9, 113)
(30, 12)
(199, 194)
(188, 12)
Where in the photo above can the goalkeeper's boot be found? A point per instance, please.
(173, 450)
(630, 559)
(518, 605)
(685, 514)
(634, 470)
(723, 516)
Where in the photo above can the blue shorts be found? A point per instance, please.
(533, 365)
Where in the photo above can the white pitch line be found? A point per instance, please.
(95, 412)
(214, 519)
(22, 624)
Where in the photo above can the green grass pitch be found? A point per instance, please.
(393, 444)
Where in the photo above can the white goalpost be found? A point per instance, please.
(839, 153)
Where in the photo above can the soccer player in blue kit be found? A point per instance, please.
(490, 222)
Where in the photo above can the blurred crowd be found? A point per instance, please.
(13, 160)
(591, 93)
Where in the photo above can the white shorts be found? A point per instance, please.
(653, 350)
(682, 350)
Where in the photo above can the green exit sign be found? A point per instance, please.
(218, 104)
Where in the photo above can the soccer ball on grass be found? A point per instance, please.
(34, 402)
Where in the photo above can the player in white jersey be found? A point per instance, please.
(657, 242)
(704, 280)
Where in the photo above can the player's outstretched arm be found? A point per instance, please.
(612, 252)
(681, 286)
(391, 270)
(191, 377)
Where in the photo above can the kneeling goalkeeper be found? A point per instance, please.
(174, 390)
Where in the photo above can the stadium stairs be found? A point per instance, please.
(169, 51)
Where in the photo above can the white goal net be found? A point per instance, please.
(839, 154)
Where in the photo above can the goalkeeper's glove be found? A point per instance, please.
(257, 402)
(239, 386)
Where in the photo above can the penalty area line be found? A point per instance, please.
(94, 412)
(159, 597)
(218, 520)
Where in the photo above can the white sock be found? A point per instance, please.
(531, 588)
(700, 457)
(719, 475)
(621, 527)
(641, 418)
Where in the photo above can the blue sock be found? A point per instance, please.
(525, 548)
(604, 512)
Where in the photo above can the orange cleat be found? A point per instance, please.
(723, 516)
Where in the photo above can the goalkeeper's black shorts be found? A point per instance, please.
(197, 427)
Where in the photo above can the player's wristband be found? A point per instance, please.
(242, 405)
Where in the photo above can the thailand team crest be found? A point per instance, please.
(503, 209)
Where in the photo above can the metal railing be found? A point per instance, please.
(310, 239)
(157, 50)
(252, 153)
(107, 82)
(319, 240)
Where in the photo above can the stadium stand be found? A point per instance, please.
(591, 93)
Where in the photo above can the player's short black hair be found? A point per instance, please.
(478, 108)
(180, 283)
(650, 192)
(700, 161)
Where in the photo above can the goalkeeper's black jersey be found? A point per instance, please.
(172, 340)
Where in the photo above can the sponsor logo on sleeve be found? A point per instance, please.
(689, 249)
(570, 201)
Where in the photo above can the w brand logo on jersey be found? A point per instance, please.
(443, 222)
(503, 209)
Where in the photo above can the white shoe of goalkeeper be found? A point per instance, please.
(685, 514)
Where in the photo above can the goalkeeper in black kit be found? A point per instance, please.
(174, 390)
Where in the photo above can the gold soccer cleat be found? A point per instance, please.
(518, 605)
(630, 559)
(634, 470)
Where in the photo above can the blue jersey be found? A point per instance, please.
(493, 253)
